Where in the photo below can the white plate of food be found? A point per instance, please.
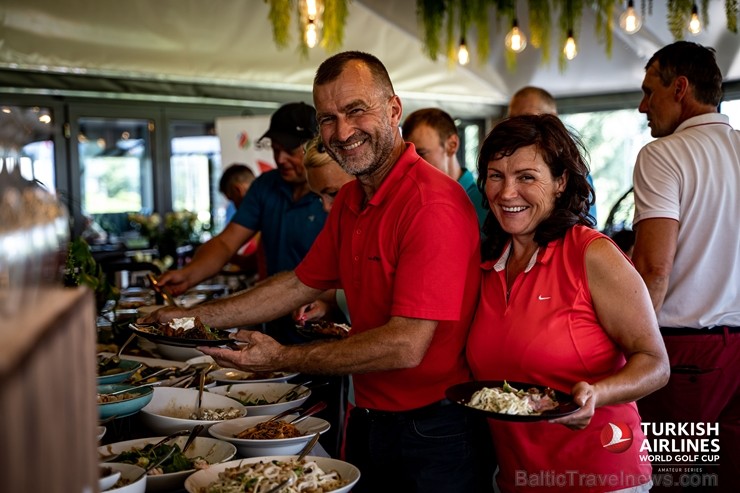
(231, 375)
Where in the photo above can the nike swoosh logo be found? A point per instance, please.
(542, 298)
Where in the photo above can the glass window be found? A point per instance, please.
(27, 142)
(194, 163)
(471, 140)
(116, 170)
(732, 109)
(612, 139)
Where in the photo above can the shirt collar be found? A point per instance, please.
(401, 167)
(501, 263)
(704, 119)
(466, 179)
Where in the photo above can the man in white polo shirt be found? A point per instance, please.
(687, 246)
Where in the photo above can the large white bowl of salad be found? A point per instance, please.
(261, 399)
(203, 453)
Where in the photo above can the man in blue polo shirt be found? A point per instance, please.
(279, 204)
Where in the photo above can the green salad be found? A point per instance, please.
(149, 454)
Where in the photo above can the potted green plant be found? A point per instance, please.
(82, 269)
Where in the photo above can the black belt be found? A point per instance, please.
(682, 331)
(418, 413)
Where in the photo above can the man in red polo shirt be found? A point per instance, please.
(402, 241)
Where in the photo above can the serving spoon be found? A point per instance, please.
(201, 384)
(116, 358)
(310, 445)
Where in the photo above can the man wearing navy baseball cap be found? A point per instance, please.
(292, 125)
(278, 204)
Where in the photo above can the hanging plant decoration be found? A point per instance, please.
(604, 14)
(459, 19)
(679, 13)
(731, 10)
(334, 20)
(480, 21)
(571, 12)
(539, 25)
(280, 13)
(431, 14)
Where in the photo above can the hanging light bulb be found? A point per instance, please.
(694, 23)
(515, 40)
(629, 21)
(463, 56)
(312, 33)
(310, 19)
(311, 9)
(570, 48)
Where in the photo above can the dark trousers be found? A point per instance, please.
(441, 448)
(704, 387)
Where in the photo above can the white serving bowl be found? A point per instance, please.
(211, 449)
(177, 353)
(128, 472)
(279, 446)
(170, 407)
(108, 477)
(246, 392)
(347, 471)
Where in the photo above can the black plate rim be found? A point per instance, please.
(566, 407)
(177, 341)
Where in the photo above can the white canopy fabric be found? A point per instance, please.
(229, 42)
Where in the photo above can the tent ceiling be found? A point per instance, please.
(228, 43)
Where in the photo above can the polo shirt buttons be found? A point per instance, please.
(358, 231)
(357, 258)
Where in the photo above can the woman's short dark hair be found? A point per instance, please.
(563, 152)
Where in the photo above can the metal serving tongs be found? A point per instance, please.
(111, 458)
(166, 295)
(171, 382)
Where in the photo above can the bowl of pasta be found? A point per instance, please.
(262, 473)
(256, 436)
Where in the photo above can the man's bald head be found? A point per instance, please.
(532, 100)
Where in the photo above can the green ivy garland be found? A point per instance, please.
(444, 22)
